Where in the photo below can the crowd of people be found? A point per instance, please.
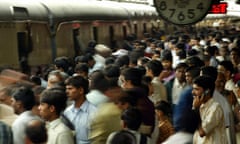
(164, 89)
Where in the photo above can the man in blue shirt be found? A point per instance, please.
(81, 112)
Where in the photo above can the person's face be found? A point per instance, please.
(220, 82)
(16, 106)
(234, 57)
(123, 83)
(167, 64)
(45, 111)
(222, 51)
(188, 78)
(5, 99)
(73, 93)
(180, 74)
(222, 70)
(52, 81)
(197, 91)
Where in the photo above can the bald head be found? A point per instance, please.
(36, 131)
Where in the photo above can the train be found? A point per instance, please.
(38, 31)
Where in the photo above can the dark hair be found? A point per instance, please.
(122, 61)
(194, 61)
(132, 117)
(98, 81)
(181, 45)
(81, 67)
(227, 65)
(111, 71)
(123, 137)
(62, 62)
(209, 71)
(26, 96)
(36, 132)
(206, 82)
(165, 107)
(36, 80)
(155, 66)
(55, 97)
(193, 71)
(133, 74)
(78, 81)
(109, 60)
(181, 65)
(167, 55)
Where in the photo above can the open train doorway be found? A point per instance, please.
(111, 37)
(24, 48)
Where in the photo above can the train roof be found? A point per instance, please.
(11, 10)
(72, 10)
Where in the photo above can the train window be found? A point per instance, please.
(144, 27)
(95, 33)
(20, 12)
(111, 36)
(124, 28)
(135, 29)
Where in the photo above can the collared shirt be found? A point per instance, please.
(19, 125)
(6, 136)
(165, 130)
(81, 118)
(59, 133)
(159, 91)
(229, 85)
(176, 90)
(212, 123)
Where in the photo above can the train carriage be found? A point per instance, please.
(36, 32)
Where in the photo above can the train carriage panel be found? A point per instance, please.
(64, 40)
(41, 53)
(8, 45)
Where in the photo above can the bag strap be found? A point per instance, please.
(143, 139)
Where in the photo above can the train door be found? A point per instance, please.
(24, 48)
(76, 42)
(144, 28)
(111, 36)
(95, 33)
(124, 28)
(135, 29)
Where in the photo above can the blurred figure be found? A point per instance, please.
(153, 69)
(131, 120)
(37, 90)
(23, 101)
(130, 80)
(36, 132)
(56, 78)
(163, 112)
(6, 136)
(107, 118)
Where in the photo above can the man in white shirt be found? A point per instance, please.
(52, 103)
(212, 128)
